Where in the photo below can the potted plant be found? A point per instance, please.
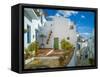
(33, 47)
(66, 45)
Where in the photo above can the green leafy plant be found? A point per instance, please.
(33, 46)
(62, 60)
(66, 45)
(25, 53)
(91, 61)
(31, 50)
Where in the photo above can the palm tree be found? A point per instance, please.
(42, 37)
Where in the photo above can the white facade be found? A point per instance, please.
(58, 27)
(31, 24)
(91, 46)
(26, 23)
(62, 28)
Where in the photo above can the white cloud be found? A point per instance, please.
(57, 14)
(67, 13)
(83, 28)
(82, 16)
(85, 33)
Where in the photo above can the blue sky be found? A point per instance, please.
(84, 20)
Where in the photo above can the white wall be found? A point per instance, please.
(5, 39)
(29, 23)
(60, 27)
(33, 25)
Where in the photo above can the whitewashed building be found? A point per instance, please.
(32, 21)
(91, 43)
(57, 28)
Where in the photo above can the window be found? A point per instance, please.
(28, 34)
(68, 38)
(71, 27)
